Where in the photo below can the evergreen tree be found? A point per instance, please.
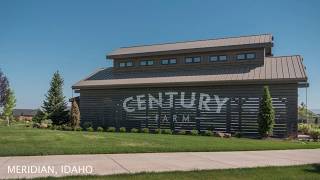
(4, 86)
(10, 104)
(266, 114)
(55, 106)
(75, 114)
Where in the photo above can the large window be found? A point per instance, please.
(168, 61)
(218, 58)
(126, 64)
(146, 63)
(193, 59)
(246, 56)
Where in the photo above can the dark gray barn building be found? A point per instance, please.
(211, 84)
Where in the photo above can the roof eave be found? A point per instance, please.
(192, 50)
(297, 81)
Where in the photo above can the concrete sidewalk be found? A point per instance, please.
(105, 164)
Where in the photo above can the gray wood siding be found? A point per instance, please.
(239, 114)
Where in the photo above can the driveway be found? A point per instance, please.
(106, 164)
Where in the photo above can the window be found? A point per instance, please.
(168, 61)
(126, 64)
(241, 56)
(222, 58)
(129, 64)
(246, 56)
(218, 58)
(193, 60)
(164, 61)
(146, 63)
(213, 58)
(173, 61)
(189, 60)
(196, 59)
(251, 56)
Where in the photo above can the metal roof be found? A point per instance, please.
(273, 69)
(262, 39)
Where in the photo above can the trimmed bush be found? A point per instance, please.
(182, 132)
(237, 134)
(122, 129)
(194, 132)
(145, 130)
(134, 130)
(56, 127)
(157, 131)
(66, 128)
(87, 125)
(36, 125)
(90, 129)
(43, 126)
(315, 134)
(166, 131)
(100, 129)
(208, 133)
(111, 129)
(78, 128)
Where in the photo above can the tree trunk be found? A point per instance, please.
(8, 121)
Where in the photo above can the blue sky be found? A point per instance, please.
(39, 37)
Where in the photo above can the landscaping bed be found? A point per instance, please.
(18, 140)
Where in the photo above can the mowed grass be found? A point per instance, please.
(19, 141)
(267, 173)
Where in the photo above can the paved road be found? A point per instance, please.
(105, 164)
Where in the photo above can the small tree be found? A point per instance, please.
(4, 86)
(10, 104)
(75, 115)
(266, 114)
(54, 105)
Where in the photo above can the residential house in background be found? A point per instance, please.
(24, 114)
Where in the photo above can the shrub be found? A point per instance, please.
(46, 121)
(36, 125)
(90, 129)
(145, 130)
(237, 134)
(194, 132)
(66, 128)
(315, 134)
(56, 127)
(111, 129)
(166, 131)
(43, 126)
(134, 130)
(78, 128)
(208, 133)
(100, 129)
(304, 128)
(122, 129)
(157, 131)
(40, 115)
(266, 114)
(87, 125)
(182, 132)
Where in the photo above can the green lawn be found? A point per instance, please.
(267, 173)
(18, 141)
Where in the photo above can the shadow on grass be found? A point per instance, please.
(315, 169)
